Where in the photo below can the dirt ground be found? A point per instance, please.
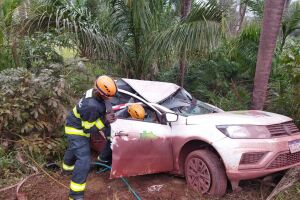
(154, 187)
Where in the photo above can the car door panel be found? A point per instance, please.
(140, 148)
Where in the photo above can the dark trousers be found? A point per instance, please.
(78, 154)
(106, 153)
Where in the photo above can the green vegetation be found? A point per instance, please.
(38, 101)
(291, 194)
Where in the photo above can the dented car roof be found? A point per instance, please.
(152, 91)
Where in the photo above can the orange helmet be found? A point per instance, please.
(136, 111)
(106, 86)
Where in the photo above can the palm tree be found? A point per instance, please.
(149, 29)
(63, 16)
(135, 34)
(185, 10)
(199, 30)
(273, 11)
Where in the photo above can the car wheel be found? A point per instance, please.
(205, 173)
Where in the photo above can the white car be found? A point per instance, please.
(187, 137)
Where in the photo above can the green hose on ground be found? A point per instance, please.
(137, 197)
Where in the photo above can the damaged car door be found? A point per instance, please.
(140, 147)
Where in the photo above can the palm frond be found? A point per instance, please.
(245, 48)
(210, 11)
(7, 7)
(255, 6)
(135, 16)
(62, 16)
(291, 21)
(199, 30)
(120, 19)
(132, 23)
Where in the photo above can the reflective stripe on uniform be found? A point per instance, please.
(87, 125)
(73, 131)
(67, 167)
(99, 124)
(77, 187)
(76, 113)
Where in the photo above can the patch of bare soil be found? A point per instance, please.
(152, 187)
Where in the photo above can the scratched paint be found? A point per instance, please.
(138, 157)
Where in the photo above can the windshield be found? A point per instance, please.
(196, 107)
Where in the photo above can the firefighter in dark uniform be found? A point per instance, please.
(87, 117)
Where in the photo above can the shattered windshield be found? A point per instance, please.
(184, 104)
(195, 108)
(181, 101)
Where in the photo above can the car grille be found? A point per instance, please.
(287, 128)
(251, 158)
(284, 160)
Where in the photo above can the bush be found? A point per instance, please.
(39, 50)
(284, 87)
(215, 80)
(32, 103)
(42, 149)
(11, 169)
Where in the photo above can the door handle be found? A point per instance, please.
(121, 133)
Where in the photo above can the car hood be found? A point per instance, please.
(247, 117)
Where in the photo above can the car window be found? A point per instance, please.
(197, 108)
(122, 101)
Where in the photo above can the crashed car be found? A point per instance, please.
(187, 137)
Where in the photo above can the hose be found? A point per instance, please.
(137, 197)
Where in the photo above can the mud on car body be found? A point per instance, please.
(190, 138)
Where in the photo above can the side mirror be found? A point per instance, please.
(171, 117)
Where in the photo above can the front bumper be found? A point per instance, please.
(275, 156)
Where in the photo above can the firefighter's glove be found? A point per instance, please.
(110, 118)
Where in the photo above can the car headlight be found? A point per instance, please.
(245, 131)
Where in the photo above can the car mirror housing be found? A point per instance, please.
(171, 117)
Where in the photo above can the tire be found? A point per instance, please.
(205, 173)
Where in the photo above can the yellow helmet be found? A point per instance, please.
(106, 86)
(136, 111)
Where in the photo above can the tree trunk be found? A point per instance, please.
(185, 7)
(273, 11)
(241, 16)
(14, 49)
(185, 10)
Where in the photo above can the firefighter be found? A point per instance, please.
(87, 117)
